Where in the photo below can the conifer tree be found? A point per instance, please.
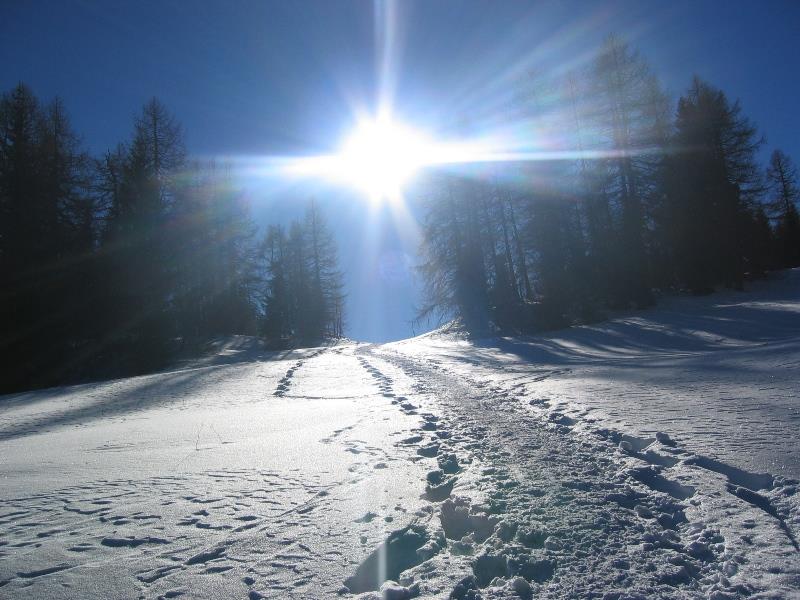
(627, 109)
(303, 298)
(782, 179)
(137, 268)
(277, 305)
(716, 181)
(46, 239)
(324, 306)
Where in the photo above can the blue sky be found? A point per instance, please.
(263, 78)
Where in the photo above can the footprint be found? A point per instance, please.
(440, 492)
(395, 555)
(428, 451)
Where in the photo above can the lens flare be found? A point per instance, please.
(380, 156)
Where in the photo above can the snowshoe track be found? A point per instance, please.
(537, 498)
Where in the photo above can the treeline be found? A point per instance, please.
(112, 265)
(304, 286)
(628, 196)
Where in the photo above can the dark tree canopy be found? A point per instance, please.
(304, 299)
(650, 202)
(783, 197)
(115, 265)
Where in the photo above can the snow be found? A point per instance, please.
(720, 373)
(194, 480)
(650, 456)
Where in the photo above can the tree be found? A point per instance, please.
(324, 317)
(550, 221)
(277, 303)
(107, 262)
(454, 251)
(782, 181)
(715, 181)
(303, 298)
(760, 246)
(212, 268)
(137, 260)
(46, 239)
(627, 118)
(22, 233)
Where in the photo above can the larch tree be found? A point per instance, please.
(137, 264)
(303, 298)
(46, 239)
(624, 112)
(716, 183)
(784, 192)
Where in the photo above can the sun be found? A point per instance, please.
(380, 156)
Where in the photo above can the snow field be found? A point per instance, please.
(651, 456)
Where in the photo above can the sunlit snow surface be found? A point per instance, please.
(720, 373)
(651, 455)
(193, 480)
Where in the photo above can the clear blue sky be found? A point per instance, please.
(264, 78)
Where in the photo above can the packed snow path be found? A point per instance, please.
(452, 469)
(720, 373)
(579, 511)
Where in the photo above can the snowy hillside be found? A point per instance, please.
(651, 456)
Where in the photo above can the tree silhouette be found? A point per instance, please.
(719, 181)
(531, 246)
(122, 261)
(782, 179)
(303, 299)
(46, 239)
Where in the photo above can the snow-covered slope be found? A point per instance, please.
(720, 373)
(208, 482)
(652, 456)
